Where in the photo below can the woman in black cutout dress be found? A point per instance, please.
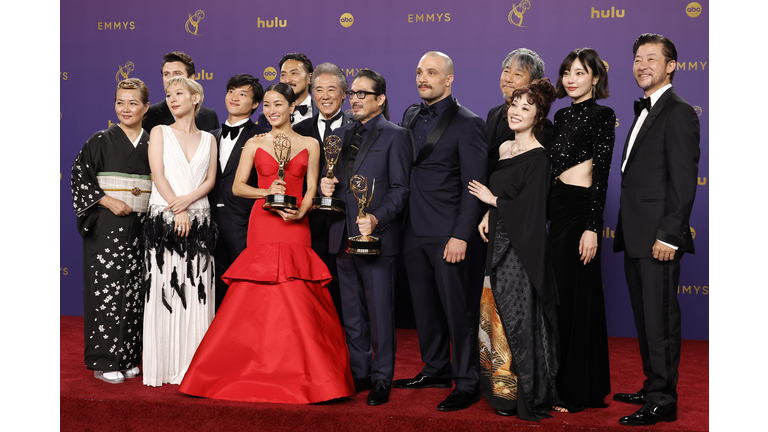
(517, 335)
(581, 160)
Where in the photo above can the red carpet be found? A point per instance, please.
(88, 404)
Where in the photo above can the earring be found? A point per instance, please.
(292, 117)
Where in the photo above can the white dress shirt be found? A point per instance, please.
(334, 125)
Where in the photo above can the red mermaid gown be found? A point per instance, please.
(276, 337)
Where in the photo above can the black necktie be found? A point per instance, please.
(328, 130)
(427, 109)
(357, 141)
(232, 131)
(642, 103)
(302, 109)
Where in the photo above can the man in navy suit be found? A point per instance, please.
(230, 212)
(329, 89)
(177, 64)
(296, 71)
(378, 149)
(658, 184)
(448, 150)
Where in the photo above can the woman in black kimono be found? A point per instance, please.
(518, 342)
(110, 176)
(581, 161)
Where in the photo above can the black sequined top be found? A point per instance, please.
(586, 131)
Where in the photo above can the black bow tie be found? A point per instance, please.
(427, 109)
(642, 103)
(302, 109)
(336, 117)
(232, 131)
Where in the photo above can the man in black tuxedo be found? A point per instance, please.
(658, 184)
(379, 150)
(230, 212)
(177, 64)
(518, 69)
(296, 70)
(449, 151)
(329, 88)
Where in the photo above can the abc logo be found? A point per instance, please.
(605, 63)
(698, 110)
(693, 233)
(693, 9)
(270, 73)
(347, 20)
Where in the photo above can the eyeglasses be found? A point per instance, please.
(361, 94)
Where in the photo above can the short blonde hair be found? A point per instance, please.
(192, 86)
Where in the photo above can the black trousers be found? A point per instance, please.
(442, 307)
(653, 293)
(232, 242)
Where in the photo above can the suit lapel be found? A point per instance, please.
(371, 138)
(648, 123)
(234, 157)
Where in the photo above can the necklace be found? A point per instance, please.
(517, 150)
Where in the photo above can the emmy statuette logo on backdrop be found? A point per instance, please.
(605, 63)
(193, 22)
(123, 71)
(515, 16)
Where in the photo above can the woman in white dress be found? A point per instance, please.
(179, 238)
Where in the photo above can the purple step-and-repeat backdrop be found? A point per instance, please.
(104, 42)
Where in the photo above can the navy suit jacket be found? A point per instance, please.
(440, 203)
(384, 155)
(160, 114)
(659, 182)
(239, 208)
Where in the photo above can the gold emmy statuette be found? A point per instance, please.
(362, 244)
(282, 146)
(330, 206)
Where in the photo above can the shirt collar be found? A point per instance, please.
(657, 94)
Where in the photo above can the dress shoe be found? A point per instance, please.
(362, 384)
(506, 413)
(650, 414)
(458, 400)
(631, 398)
(131, 373)
(423, 381)
(109, 377)
(379, 394)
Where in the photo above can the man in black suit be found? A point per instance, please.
(177, 64)
(518, 69)
(296, 70)
(658, 184)
(230, 212)
(379, 150)
(329, 88)
(449, 151)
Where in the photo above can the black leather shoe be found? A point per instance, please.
(379, 395)
(506, 413)
(631, 398)
(458, 400)
(650, 414)
(423, 381)
(362, 384)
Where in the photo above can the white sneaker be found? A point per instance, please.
(131, 373)
(110, 377)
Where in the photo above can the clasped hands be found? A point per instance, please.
(278, 188)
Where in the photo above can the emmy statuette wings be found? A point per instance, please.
(363, 244)
(282, 145)
(330, 206)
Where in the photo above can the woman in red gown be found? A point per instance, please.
(277, 336)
